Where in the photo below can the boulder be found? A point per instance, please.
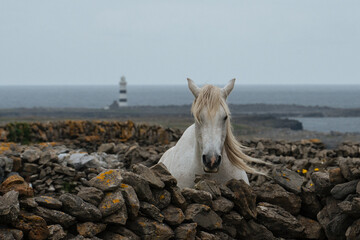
(75, 206)
(279, 221)
(203, 216)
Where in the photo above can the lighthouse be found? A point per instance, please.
(122, 96)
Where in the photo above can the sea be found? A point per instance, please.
(76, 96)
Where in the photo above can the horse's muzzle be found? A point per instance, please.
(211, 163)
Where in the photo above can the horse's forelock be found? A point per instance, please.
(210, 97)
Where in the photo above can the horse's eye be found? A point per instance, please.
(226, 117)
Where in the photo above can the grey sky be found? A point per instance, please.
(163, 42)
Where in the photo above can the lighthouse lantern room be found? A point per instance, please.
(123, 94)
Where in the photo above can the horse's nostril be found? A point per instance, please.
(219, 159)
(204, 159)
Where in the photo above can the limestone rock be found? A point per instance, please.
(335, 176)
(90, 229)
(197, 196)
(186, 231)
(131, 199)
(322, 183)
(34, 226)
(11, 234)
(353, 232)
(107, 180)
(289, 180)
(279, 221)
(48, 202)
(312, 229)
(254, 231)
(173, 215)
(17, 183)
(275, 194)
(340, 191)
(91, 195)
(75, 206)
(9, 207)
(350, 168)
(177, 198)
(55, 217)
(111, 203)
(150, 230)
(152, 211)
(56, 232)
(162, 198)
(222, 205)
(203, 216)
(140, 185)
(119, 217)
(209, 186)
(106, 147)
(148, 175)
(161, 171)
(245, 199)
(31, 154)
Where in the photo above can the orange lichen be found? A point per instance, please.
(116, 200)
(103, 175)
(316, 169)
(162, 197)
(124, 185)
(304, 171)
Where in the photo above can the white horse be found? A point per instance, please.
(208, 146)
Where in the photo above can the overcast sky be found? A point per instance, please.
(163, 42)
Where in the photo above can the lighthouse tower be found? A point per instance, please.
(122, 97)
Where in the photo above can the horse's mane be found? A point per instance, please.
(210, 97)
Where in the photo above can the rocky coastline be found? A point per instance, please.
(101, 180)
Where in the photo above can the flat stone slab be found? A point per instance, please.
(107, 180)
(288, 179)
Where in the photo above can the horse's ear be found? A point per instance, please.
(228, 88)
(193, 88)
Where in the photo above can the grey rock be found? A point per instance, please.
(91, 195)
(340, 191)
(203, 216)
(55, 217)
(279, 221)
(111, 203)
(75, 206)
(350, 168)
(351, 206)
(48, 202)
(107, 180)
(335, 176)
(152, 211)
(161, 171)
(30, 168)
(6, 164)
(209, 186)
(358, 188)
(226, 192)
(124, 232)
(310, 204)
(119, 217)
(222, 205)
(312, 229)
(322, 183)
(353, 232)
(140, 185)
(148, 175)
(47, 156)
(207, 236)
(177, 198)
(275, 194)
(197, 196)
(289, 180)
(186, 231)
(149, 229)
(31, 154)
(131, 199)
(173, 215)
(28, 203)
(90, 229)
(254, 231)
(245, 198)
(9, 207)
(106, 147)
(56, 232)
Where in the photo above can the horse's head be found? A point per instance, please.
(211, 122)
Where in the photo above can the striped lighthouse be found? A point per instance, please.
(122, 97)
